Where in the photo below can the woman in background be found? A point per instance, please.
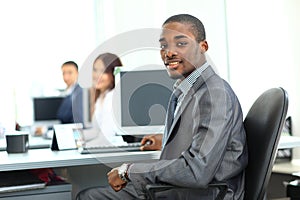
(102, 95)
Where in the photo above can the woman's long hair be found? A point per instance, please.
(110, 61)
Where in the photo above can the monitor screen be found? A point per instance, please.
(142, 96)
(45, 108)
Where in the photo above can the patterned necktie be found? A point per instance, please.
(171, 113)
(173, 104)
(172, 107)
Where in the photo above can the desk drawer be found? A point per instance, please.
(61, 192)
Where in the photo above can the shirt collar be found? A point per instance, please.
(186, 84)
(69, 90)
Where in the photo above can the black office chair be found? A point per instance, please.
(263, 125)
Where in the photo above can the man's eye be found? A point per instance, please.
(182, 43)
(163, 46)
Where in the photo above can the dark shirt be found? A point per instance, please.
(71, 108)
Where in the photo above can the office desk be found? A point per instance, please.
(292, 168)
(287, 142)
(87, 170)
(44, 158)
(81, 171)
(284, 171)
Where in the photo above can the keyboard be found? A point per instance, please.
(110, 148)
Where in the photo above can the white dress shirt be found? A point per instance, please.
(104, 129)
(103, 115)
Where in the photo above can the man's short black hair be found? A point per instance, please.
(197, 26)
(71, 63)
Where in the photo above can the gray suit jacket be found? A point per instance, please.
(206, 141)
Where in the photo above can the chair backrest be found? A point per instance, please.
(263, 125)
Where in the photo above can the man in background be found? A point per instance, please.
(71, 108)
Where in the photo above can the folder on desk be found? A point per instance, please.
(65, 136)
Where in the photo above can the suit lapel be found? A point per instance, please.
(185, 102)
(183, 106)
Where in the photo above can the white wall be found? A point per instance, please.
(264, 48)
(116, 18)
(36, 38)
(292, 8)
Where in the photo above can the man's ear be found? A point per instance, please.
(203, 46)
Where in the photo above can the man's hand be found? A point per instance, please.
(115, 181)
(151, 142)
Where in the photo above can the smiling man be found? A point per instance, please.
(180, 50)
(204, 139)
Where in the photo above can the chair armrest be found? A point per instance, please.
(152, 188)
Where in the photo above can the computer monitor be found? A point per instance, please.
(141, 98)
(45, 108)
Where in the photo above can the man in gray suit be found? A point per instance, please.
(204, 139)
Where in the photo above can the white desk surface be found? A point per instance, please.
(292, 167)
(289, 142)
(44, 158)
